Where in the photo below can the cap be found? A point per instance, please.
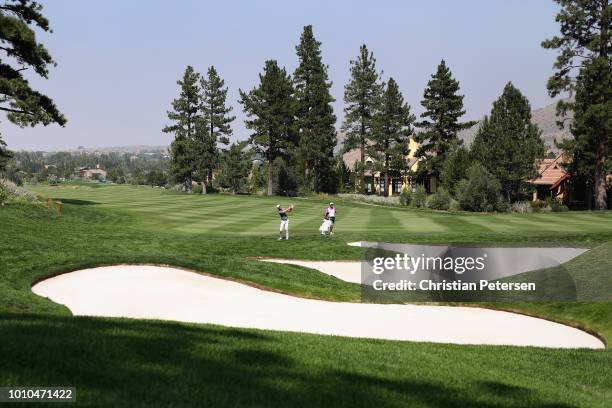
(277, 205)
(331, 203)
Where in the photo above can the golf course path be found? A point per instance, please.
(155, 292)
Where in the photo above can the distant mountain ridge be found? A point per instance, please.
(135, 149)
(545, 118)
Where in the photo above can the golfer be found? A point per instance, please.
(330, 214)
(284, 224)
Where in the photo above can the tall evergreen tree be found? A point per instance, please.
(235, 167)
(188, 122)
(592, 129)
(455, 169)
(392, 131)
(362, 103)
(508, 144)
(216, 123)
(443, 108)
(583, 66)
(5, 155)
(315, 116)
(270, 111)
(22, 52)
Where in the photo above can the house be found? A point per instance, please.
(88, 173)
(398, 180)
(552, 180)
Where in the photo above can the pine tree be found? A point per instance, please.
(392, 131)
(236, 165)
(187, 123)
(5, 155)
(583, 65)
(508, 144)
(455, 168)
(216, 125)
(315, 116)
(362, 102)
(270, 111)
(443, 108)
(24, 105)
(591, 128)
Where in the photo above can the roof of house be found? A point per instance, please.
(351, 158)
(551, 172)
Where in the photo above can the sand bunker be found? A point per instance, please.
(153, 292)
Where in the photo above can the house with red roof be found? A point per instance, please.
(552, 180)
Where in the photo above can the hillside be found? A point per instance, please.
(546, 118)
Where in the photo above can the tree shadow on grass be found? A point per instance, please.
(75, 201)
(123, 362)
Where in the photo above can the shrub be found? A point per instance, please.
(373, 199)
(304, 192)
(405, 196)
(52, 179)
(454, 205)
(440, 200)
(481, 191)
(419, 197)
(3, 195)
(556, 205)
(541, 206)
(521, 207)
(197, 189)
(10, 192)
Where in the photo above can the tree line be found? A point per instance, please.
(149, 168)
(293, 123)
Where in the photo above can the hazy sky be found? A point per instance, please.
(118, 61)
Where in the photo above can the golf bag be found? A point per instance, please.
(324, 228)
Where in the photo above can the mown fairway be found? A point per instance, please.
(249, 215)
(123, 362)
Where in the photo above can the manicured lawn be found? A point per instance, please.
(248, 215)
(144, 363)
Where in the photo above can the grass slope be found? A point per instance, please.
(138, 363)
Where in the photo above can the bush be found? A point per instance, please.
(557, 206)
(454, 205)
(440, 200)
(197, 189)
(540, 206)
(405, 196)
(10, 192)
(373, 199)
(521, 207)
(304, 192)
(481, 191)
(3, 195)
(419, 197)
(52, 180)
